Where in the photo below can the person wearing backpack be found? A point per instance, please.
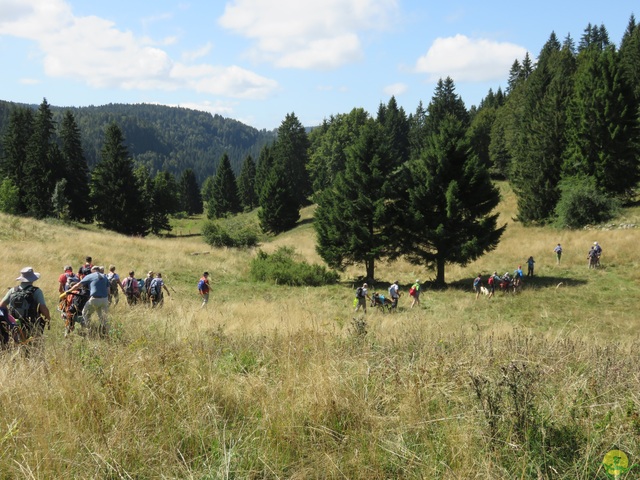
(477, 285)
(86, 267)
(394, 294)
(7, 327)
(155, 290)
(414, 293)
(147, 286)
(131, 288)
(66, 279)
(361, 297)
(98, 302)
(114, 285)
(203, 288)
(27, 305)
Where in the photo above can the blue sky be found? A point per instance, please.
(257, 60)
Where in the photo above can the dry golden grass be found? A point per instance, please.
(282, 382)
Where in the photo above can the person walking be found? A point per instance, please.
(131, 289)
(477, 284)
(414, 293)
(114, 285)
(155, 290)
(85, 268)
(558, 252)
(361, 297)
(394, 294)
(98, 302)
(203, 288)
(147, 287)
(530, 263)
(27, 305)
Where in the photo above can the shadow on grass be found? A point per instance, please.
(528, 282)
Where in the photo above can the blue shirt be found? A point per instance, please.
(98, 284)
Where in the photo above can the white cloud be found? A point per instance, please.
(199, 53)
(468, 60)
(395, 89)
(95, 51)
(296, 34)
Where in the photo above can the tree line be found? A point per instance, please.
(564, 134)
(45, 174)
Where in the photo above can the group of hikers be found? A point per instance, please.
(380, 300)
(24, 313)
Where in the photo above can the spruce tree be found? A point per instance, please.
(603, 125)
(14, 143)
(190, 197)
(448, 217)
(279, 210)
(247, 184)
(76, 170)
(164, 201)
(328, 153)
(225, 199)
(537, 156)
(263, 167)
(115, 188)
(42, 167)
(350, 217)
(291, 149)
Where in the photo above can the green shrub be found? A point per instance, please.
(281, 267)
(229, 235)
(581, 203)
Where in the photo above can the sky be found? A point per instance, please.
(258, 60)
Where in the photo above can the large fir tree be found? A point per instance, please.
(350, 217)
(537, 153)
(115, 188)
(448, 216)
(603, 124)
(279, 210)
(76, 170)
(190, 197)
(247, 184)
(291, 149)
(164, 201)
(224, 198)
(14, 143)
(42, 167)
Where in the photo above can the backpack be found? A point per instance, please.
(71, 280)
(22, 305)
(412, 291)
(476, 282)
(491, 280)
(202, 286)
(128, 286)
(113, 285)
(154, 288)
(84, 270)
(359, 292)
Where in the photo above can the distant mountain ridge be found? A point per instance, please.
(162, 137)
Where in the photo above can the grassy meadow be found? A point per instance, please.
(271, 381)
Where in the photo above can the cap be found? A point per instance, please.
(68, 268)
(365, 285)
(150, 272)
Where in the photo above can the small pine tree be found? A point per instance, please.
(225, 199)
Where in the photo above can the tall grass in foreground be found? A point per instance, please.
(283, 382)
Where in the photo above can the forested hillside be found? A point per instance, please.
(163, 138)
